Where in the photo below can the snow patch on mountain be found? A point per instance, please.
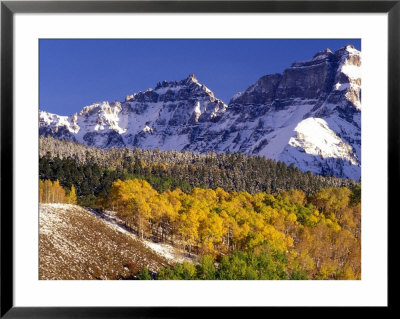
(342, 86)
(352, 71)
(54, 121)
(285, 123)
(197, 111)
(316, 138)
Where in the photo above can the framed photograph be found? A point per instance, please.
(162, 156)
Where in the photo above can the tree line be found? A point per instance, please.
(92, 171)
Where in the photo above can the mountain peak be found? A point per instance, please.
(346, 50)
(322, 54)
(191, 79)
(351, 49)
(187, 81)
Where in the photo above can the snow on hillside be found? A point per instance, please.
(75, 243)
(167, 251)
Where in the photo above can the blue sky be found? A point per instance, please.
(76, 73)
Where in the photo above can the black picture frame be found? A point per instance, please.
(9, 8)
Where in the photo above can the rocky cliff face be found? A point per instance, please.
(310, 116)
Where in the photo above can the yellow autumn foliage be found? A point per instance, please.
(318, 235)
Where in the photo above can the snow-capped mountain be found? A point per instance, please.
(166, 117)
(310, 116)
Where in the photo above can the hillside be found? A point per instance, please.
(75, 243)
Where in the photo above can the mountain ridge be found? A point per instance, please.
(310, 115)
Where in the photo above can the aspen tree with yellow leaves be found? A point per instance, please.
(71, 196)
(51, 192)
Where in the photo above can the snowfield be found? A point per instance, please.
(79, 244)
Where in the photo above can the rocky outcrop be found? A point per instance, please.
(309, 116)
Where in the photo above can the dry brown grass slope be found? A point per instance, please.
(74, 244)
